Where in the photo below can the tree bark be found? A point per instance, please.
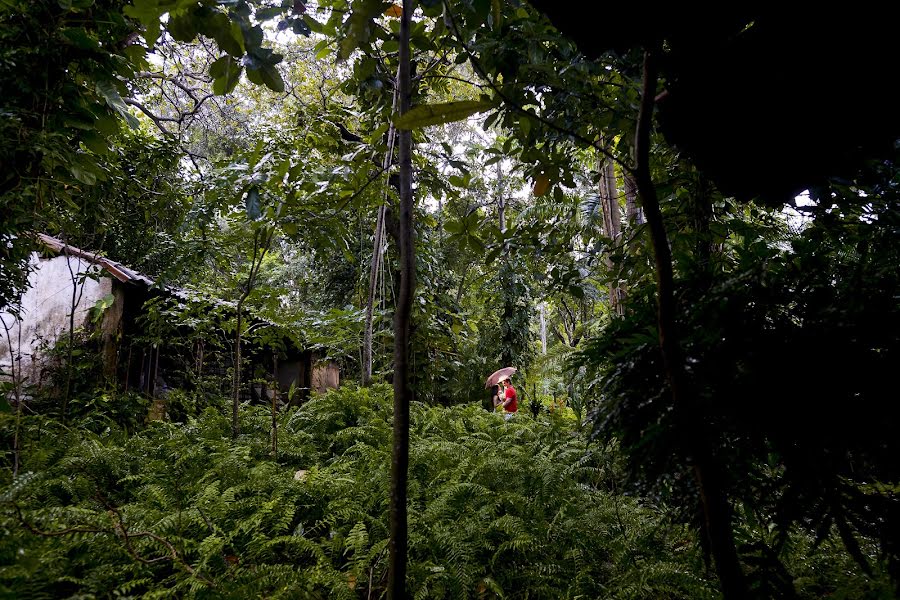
(402, 391)
(612, 225)
(633, 213)
(716, 510)
(543, 328)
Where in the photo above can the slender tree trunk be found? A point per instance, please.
(155, 370)
(377, 254)
(275, 406)
(716, 509)
(236, 387)
(76, 298)
(612, 225)
(402, 391)
(501, 208)
(261, 242)
(370, 303)
(543, 328)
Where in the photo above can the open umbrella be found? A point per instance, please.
(498, 376)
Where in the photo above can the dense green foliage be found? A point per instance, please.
(518, 509)
(790, 348)
(243, 148)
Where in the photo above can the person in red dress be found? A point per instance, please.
(510, 403)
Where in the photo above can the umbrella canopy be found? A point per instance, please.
(498, 376)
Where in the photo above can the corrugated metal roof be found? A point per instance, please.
(117, 270)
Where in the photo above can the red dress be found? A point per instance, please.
(513, 406)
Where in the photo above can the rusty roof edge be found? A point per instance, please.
(117, 270)
(126, 275)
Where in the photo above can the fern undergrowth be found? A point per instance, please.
(518, 509)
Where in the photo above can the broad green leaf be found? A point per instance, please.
(323, 50)
(358, 28)
(107, 125)
(482, 10)
(264, 14)
(226, 72)
(183, 27)
(301, 27)
(492, 255)
(80, 38)
(266, 75)
(437, 114)
(525, 126)
(254, 208)
(109, 92)
(226, 32)
(81, 174)
(454, 227)
(253, 38)
(95, 142)
(491, 119)
(314, 26)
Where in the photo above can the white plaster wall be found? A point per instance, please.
(45, 310)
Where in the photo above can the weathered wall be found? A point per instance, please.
(325, 376)
(45, 310)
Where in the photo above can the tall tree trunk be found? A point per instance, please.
(716, 510)
(543, 328)
(402, 391)
(612, 225)
(633, 213)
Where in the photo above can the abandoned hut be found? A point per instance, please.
(148, 337)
